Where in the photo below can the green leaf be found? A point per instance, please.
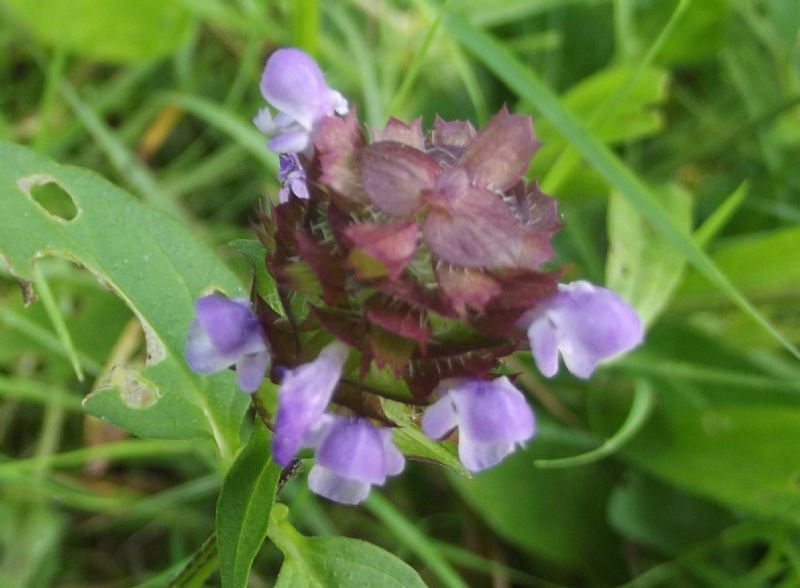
(337, 562)
(412, 442)
(527, 85)
(642, 266)
(265, 283)
(558, 514)
(115, 30)
(156, 267)
(243, 508)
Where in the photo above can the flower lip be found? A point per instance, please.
(585, 323)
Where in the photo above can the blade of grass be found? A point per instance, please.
(416, 62)
(411, 537)
(305, 24)
(41, 393)
(527, 85)
(642, 406)
(720, 217)
(57, 319)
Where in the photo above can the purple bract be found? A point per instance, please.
(226, 333)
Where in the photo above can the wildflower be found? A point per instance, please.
(302, 398)
(351, 456)
(293, 84)
(492, 418)
(226, 333)
(292, 177)
(583, 322)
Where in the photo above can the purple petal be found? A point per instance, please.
(293, 83)
(230, 325)
(250, 371)
(353, 449)
(302, 398)
(590, 324)
(331, 485)
(395, 462)
(291, 141)
(477, 456)
(395, 175)
(440, 418)
(544, 345)
(201, 355)
(492, 412)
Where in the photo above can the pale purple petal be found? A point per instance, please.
(292, 176)
(303, 396)
(291, 141)
(293, 83)
(201, 355)
(590, 324)
(331, 485)
(477, 456)
(440, 418)
(493, 411)
(250, 371)
(395, 462)
(230, 324)
(353, 449)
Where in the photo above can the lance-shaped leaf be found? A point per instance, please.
(154, 265)
(475, 228)
(339, 142)
(395, 176)
(391, 244)
(400, 132)
(243, 508)
(502, 151)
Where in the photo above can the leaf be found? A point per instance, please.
(337, 562)
(265, 283)
(156, 267)
(114, 30)
(243, 508)
(642, 266)
(413, 443)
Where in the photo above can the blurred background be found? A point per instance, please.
(693, 475)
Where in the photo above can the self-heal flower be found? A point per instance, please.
(226, 333)
(292, 177)
(583, 322)
(351, 456)
(304, 394)
(492, 418)
(293, 84)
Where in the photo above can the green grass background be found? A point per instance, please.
(671, 134)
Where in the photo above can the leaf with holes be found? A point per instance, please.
(155, 266)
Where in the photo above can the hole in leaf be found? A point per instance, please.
(49, 194)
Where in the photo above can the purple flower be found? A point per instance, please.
(293, 84)
(292, 177)
(492, 418)
(351, 456)
(302, 398)
(225, 332)
(585, 323)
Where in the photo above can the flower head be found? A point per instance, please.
(304, 395)
(585, 324)
(492, 418)
(351, 456)
(293, 84)
(226, 333)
